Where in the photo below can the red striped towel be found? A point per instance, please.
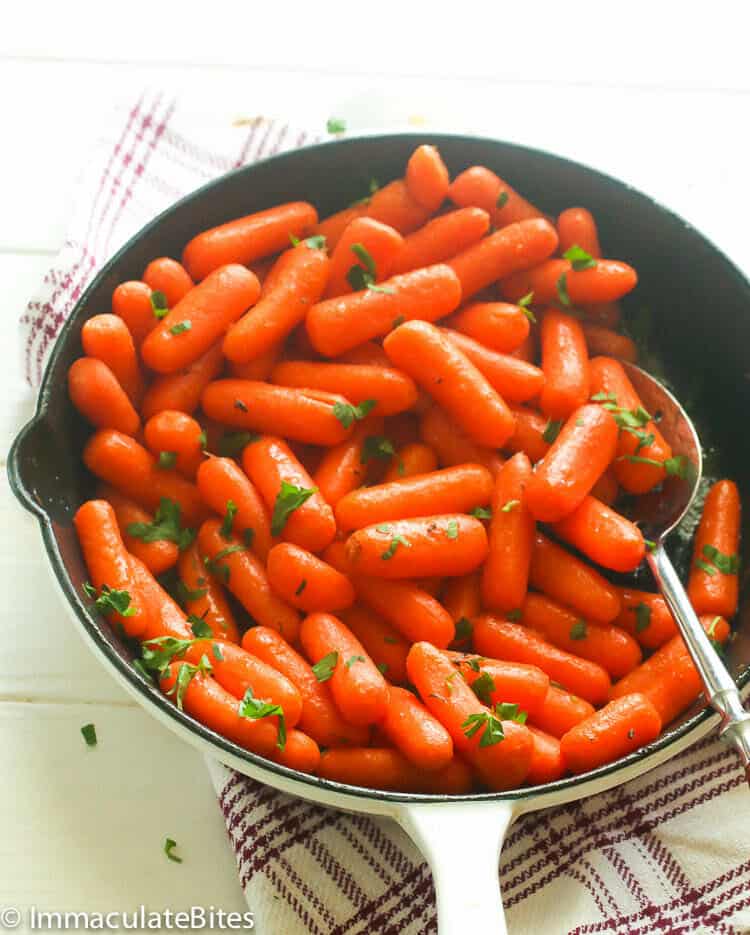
(665, 853)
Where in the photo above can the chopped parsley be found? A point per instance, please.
(524, 304)
(347, 414)
(579, 630)
(502, 200)
(317, 242)
(169, 845)
(714, 561)
(579, 258)
(464, 630)
(452, 529)
(352, 659)
(364, 276)
(481, 512)
(396, 541)
(301, 588)
(109, 600)
(166, 525)
(642, 617)
(89, 734)
(483, 687)
(488, 723)
(336, 125)
(552, 430)
(562, 290)
(226, 526)
(324, 668)
(376, 446)
(201, 630)
(510, 712)
(233, 443)
(159, 304)
(254, 709)
(288, 499)
(181, 327)
(509, 505)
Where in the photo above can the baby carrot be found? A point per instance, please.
(646, 617)
(334, 225)
(600, 340)
(499, 639)
(606, 488)
(108, 564)
(378, 767)
(385, 645)
(358, 688)
(204, 597)
(609, 646)
(505, 574)
(494, 681)
(451, 445)
(412, 459)
(560, 711)
(500, 750)
(625, 724)
(390, 390)
(530, 435)
(100, 399)
(260, 368)
(169, 277)
(106, 337)
(305, 416)
(515, 380)
(495, 325)
(394, 205)
(248, 238)
(175, 438)
(603, 535)
(226, 488)
(462, 599)
(448, 544)
(565, 364)
(246, 578)
(158, 556)
(164, 617)
(576, 227)
(481, 187)
(299, 513)
(558, 281)
(182, 390)
(437, 365)
(200, 318)
(131, 301)
(442, 238)
(307, 582)
(527, 350)
(713, 585)
(547, 764)
(451, 490)
(364, 237)
(427, 179)
(566, 579)
(300, 276)
(342, 468)
(120, 461)
(516, 247)
(338, 325)
(416, 733)
(578, 457)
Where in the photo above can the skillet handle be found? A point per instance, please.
(462, 843)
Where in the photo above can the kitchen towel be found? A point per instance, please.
(664, 853)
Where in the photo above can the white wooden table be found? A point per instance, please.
(657, 96)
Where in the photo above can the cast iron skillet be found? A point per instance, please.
(699, 300)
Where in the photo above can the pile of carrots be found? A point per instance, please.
(377, 460)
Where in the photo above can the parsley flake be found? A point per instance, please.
(452, 529)
(347, 414)
(324, 668)
(510, 712)
(481, 512)
(579, 258)
(233, 443)
(181, 327)
(201, 630)
(169, 845)
(464, 630)
(109, 600)
(167, 460)
(89, 734)
(352, 659)
(166, 525)
(288, 499)
(238, 404)
(718, 562)
(301, 588)
(335, 125)
(562, 290)
(376, 446)
(491, 727)
(222, 571)
(396, 541)
(254, 709)
(579, 630)
(502, 200)
(642, 617)
(552, 430)
(509, 505)
(483, 687)
(159, 304)
(524, 304)
(226, 526)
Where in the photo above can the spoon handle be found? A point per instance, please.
(719, 685)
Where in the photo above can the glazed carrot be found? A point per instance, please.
(505, 574)
(427, 179)
(320, 717)
(106, 337)
(560, 711)
(713, 584)
(157, 556)
(358, 688)
(547, 764)
(576, 460)
(368, 354)
(495, 681)
(451, 445)
(557, 281)
(300, 276)
(504, 763)
(391, 390)
(452, 490)
(307, 416)
(414, 458)
(108, 565)
(222, 482)
(601, 340)
(515, 380)
(447, 544)
(260, 368)
(566, 579)
(394, 205)
(603, 314)
(270, 465)
(527, 351)
(131, 301)
(516, 247)
(529, 435)
(403, 604)
(416, 733)
(385, 645)
(378, 767)
(606, 488)
(610, 383)
(334, 225)
(625, 724)
(342, 469)
(307, 582)
(100, 399)
(646, 617)
(515, 643)
(456, 778)
(565, 365)
(200, 318)
(120, 461)
(442, 238)
(462, 599)
(607, 645)
(182, 391)
(603, 535)
(248, 238)
(338, 325)
(495, 325)
(576, 227)
(481, 187)
(169, 277)
(204, 597)
(364, 236)
(177, 439)
(246, 578)
(668, 678)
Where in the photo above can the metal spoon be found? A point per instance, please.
(658, 514)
